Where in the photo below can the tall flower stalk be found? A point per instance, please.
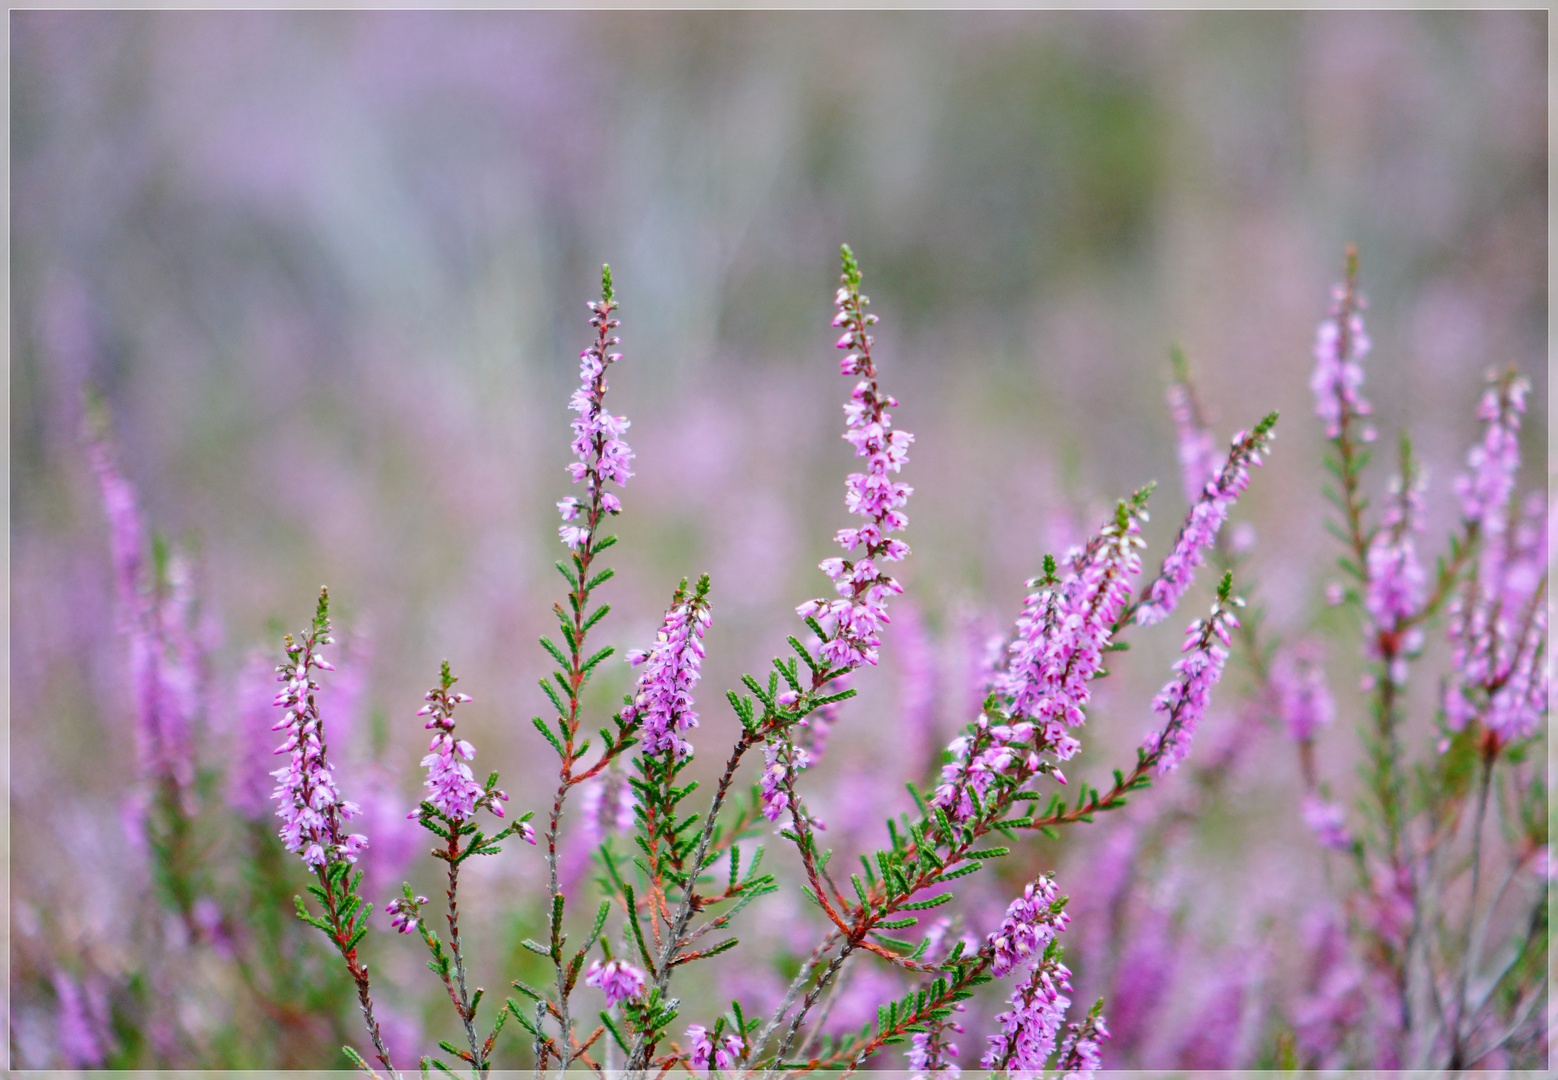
(314, 817)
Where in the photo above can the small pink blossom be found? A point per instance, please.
(617, 979)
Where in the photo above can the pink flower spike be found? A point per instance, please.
(662, 700)
(597, 443)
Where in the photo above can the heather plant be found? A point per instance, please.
(673, 899)
(1425, 947)
(1416, 962)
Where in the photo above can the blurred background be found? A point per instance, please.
(327, 273)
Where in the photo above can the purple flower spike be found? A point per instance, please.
(1031, 923)
(597, 442)
(1340, 343)
(1302, 697)
(1201, 526)
(1395, 575)
(662, 701)
(311, 809)
(1184, 700)
(1079, 1058)
(1493, 461)
(451, 787)
(851, 625)
(1031, 1026)
(617, 979)
(1328, 821)
(780, 759)
(166, 658)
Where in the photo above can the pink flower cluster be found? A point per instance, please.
(1493, 462)
(1056, 651)
(311, 809)
(1079, 1057)
(597, 441)
(978, 757)
(662, 703)
(405, 913)
(1061, 634)
(1395, 574)
(851, 625)
(1498, 633)
(1200, 529)
(1303, 699)
(1031, 923)
(1328, 821)
(1339, 344)
(780, 759)
(1498, 622)
(1184, 700)
(165, 655)
(451, 787)
(617, 979)
(701, 1049)
(1032, 1024)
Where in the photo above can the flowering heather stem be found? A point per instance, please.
(1183, 701)
(602, 456)
(1203, 523)
(313, 813)
(1341, 343)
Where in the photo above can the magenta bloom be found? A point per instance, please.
(851, 625)
(1064, 627)
(1056, 651)
(1396, 580)
(1079, 1057)
(166, 658)
(1494, 461)
(1184, 700)
(780, 758)
(1328, 821)
(1031, 923)
(405, 913)
(606, 803)
(1303, 699)
(1201, 526)
(1498, 621)
(1498, 633)
(701, 1049)
(597, 442)
(1340, 343)
(451, 787)
(662, 703)
(311, 809)
(1032, 1023)
(82, 1022)
(617, 979)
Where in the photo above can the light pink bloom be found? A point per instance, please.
(617, 979)
(662, 702)
(311, 809)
